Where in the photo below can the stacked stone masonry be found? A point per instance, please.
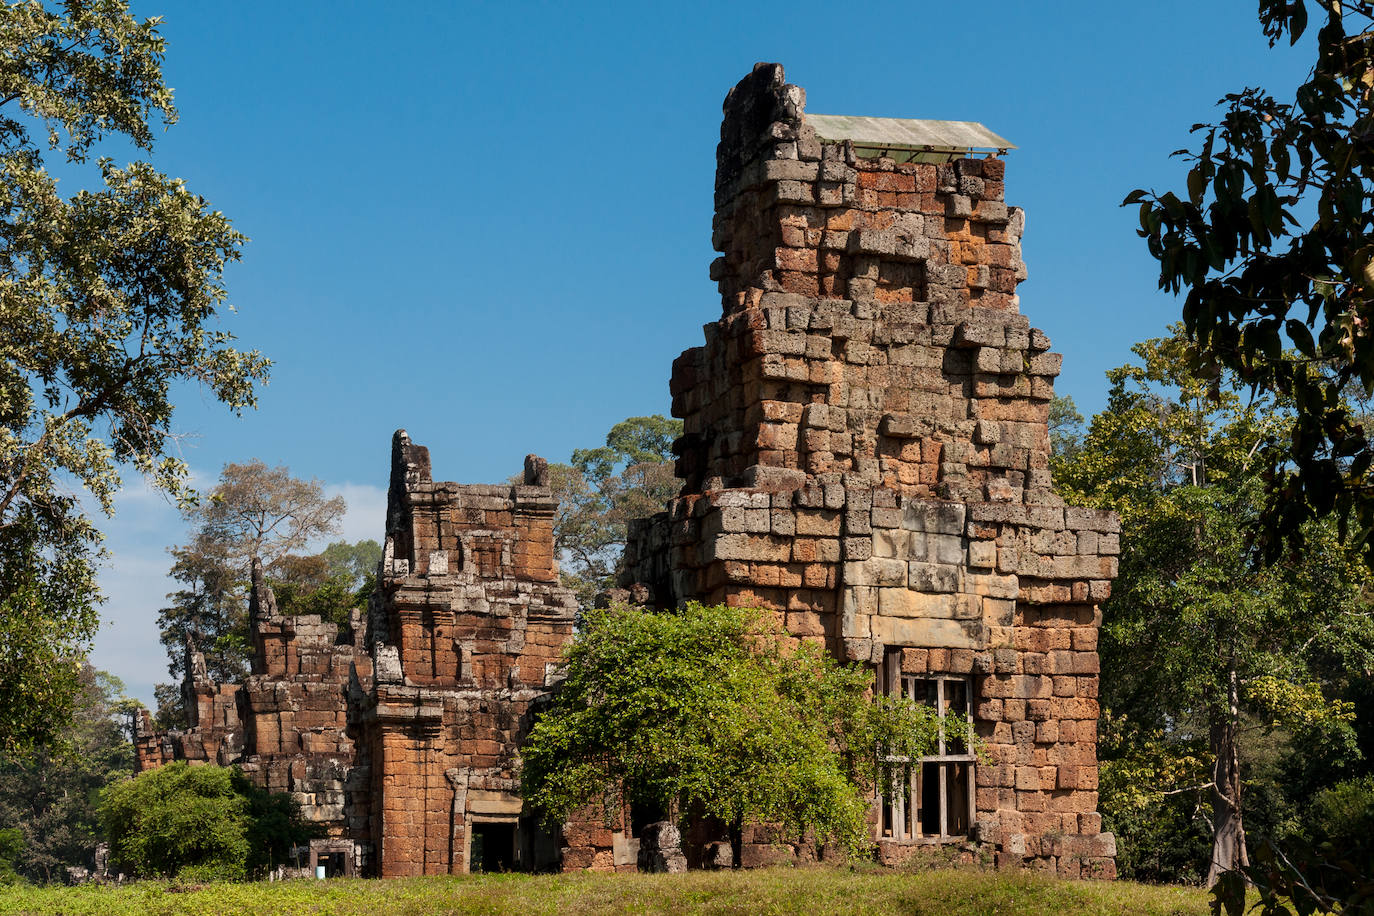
(403, 744)
(287, 725)
(466, 635)
(866, 452)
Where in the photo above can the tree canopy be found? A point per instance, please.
(108, 300)
(50, 800)
(1205, 647)
(202, 822)
(712, 712)
(601, 489)
(262, 512)
(1273, 242)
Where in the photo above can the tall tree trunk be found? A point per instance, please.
(1228, 831)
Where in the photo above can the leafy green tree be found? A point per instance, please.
(358, 561)
(1153, 784)
(711, 712)
(49, 800)
(601, 489)
(333, 600)
(339, 581)
(204, 822)
(1065, 427)
(11, 850)
(254, 511)
(108, 299)
(1201, 640)
(1272, 242)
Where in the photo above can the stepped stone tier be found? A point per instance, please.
(866, 452)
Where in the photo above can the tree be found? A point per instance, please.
(203, 822)
(50, 800)
(357, 561)
(1066, 435)
(265, 513)
(1273, 240)
(254, 511)
(108, 299)
(1201, 640)
(601, 489)
(711, 712)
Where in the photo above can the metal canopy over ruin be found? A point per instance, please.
(907, 140)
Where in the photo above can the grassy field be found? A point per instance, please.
(814, 891)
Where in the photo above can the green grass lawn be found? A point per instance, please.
(813, 891)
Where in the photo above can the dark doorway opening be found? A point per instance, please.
(493, 847)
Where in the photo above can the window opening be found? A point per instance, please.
(932, 797)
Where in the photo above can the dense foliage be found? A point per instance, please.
(1273, 241)
(49, 799)
(1225, 675)
(201, 822)
(108, 299)
(712, 712)
(601, 489)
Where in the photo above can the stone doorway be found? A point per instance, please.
(494, 847)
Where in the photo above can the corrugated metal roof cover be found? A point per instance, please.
(901, 133)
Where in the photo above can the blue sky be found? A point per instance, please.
(490, 223)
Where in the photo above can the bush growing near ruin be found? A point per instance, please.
(714, 712)
(202, 822)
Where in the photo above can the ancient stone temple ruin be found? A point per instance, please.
(466, 639)
(401, 742)
(866, 453)
(287, 726)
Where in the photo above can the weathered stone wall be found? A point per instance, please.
(464, 634)
(287, 725)
(866, 452)
(295, 713)
(468, 624)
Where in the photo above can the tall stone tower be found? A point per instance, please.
(866, 453)
(466, 630)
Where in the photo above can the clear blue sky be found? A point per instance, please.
(490, 223)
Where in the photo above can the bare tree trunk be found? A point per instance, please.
(1228, 831)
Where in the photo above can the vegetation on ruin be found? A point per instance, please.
(713, 712)
(198, 823)
(1226, 677)
(107, 298)
(1271, 243)
(857, 891)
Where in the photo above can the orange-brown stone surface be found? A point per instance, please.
(866, 452)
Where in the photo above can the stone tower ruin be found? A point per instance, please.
(866, 453)
(401, 741)
(466, 632)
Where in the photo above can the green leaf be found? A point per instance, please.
(1301, 337)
